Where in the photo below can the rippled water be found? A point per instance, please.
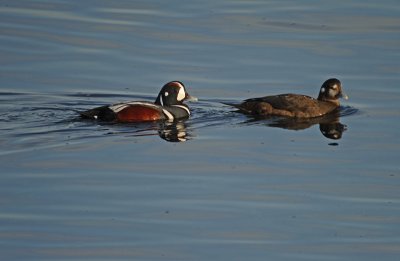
(235, 187)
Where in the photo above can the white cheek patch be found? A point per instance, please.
(166, 94)
(322, 90)
(332, 93)
(181, 94)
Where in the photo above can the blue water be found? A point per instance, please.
(235, 187)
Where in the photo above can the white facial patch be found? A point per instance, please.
(332, 93)
(181, 94)
(166, 94)
(322, 90)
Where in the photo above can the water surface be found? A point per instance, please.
(235, 187)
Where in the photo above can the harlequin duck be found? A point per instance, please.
(296, 105)
(168, 106)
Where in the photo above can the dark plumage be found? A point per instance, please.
(168, 106)
(296, 105)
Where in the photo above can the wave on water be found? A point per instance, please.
(34, 120)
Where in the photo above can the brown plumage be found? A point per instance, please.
(296, 105)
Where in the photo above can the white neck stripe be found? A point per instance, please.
(168, 114)
(182, 107)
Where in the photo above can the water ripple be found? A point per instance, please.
(40, 120)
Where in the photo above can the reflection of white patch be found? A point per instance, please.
(95, 117)
(166, 94)
(322, 90)
(181, 94)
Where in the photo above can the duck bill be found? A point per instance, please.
(191, 98)
(344, 96)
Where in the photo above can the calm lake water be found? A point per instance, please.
(234, 188)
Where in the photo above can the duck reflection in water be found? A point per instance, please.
(329, 124)
(171, 131)
(298, 111)
(175, 131)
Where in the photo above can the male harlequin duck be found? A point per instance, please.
(168, 106)
(296, 105)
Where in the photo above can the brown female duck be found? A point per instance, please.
(296, 105)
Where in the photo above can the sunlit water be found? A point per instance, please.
(220, 185)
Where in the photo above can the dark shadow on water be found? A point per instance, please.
(329, 125)
(171, 131)
(208, 114)
(48, 120)
(174, 131)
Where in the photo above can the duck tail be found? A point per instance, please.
(100, 113)
(238, 106)
(232, 104)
